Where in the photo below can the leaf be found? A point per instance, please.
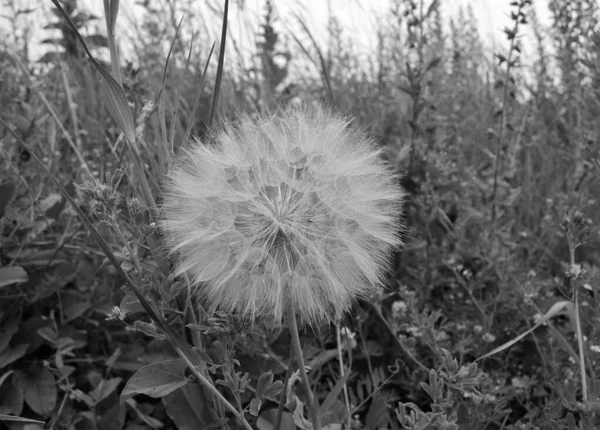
(221, 61)
(7, 330)
(147, 419)
(39, 388)
(113, 418)
(7, 192)
(11, 397)
(432, 7)
(12, 354)
(265, 387)
(20, 419)
(130, 305)
(333, 394)
(266, 421)
(156, 379)
(298, 416)
(433, 63)
(12, 275)
(105, 388)
(113, 94)
(377, 414)
(556, 309)
(188, 408)
(74, 306)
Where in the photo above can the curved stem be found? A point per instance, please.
(312, 402)
(206, 384)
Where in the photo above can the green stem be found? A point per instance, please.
(312, 402)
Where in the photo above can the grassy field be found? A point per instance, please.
(490, 313)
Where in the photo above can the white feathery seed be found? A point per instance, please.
(295, 209)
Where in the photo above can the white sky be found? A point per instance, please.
(357, 16)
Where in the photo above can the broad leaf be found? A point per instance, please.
(189, 409)
(156, 380)
(39, 387)
(105, 388)
(12, 275)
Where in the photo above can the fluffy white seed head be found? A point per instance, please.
(296, 208)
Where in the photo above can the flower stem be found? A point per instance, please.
(312, 402)
(282, 400)
(211, 388)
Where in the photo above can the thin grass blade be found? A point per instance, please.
(215, 97)
(188, 130)
(556, 309)
(114, 96)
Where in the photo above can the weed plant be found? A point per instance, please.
(489, 316)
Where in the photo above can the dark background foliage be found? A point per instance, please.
(500, 163)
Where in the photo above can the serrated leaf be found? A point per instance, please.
(156, 379)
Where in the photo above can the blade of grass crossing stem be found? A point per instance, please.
(160, 322)
(178, 94)
(118, 106)
(111, 11)
(162, 102)
(556, 309)
(215, 96)
(332, 396)
(188, 130)
(115, 99)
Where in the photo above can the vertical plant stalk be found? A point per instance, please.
(111, 10)
(205, 383)
(72, 108)
(282, 399)
(312, 402)
(215, 96)
(341, 361)
(578, 322)
(497, 161)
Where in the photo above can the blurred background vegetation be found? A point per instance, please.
(500, 161)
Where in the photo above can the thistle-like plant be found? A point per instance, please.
(294, 211)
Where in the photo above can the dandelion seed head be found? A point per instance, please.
(296, 208)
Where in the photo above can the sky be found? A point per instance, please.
(359, 17)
